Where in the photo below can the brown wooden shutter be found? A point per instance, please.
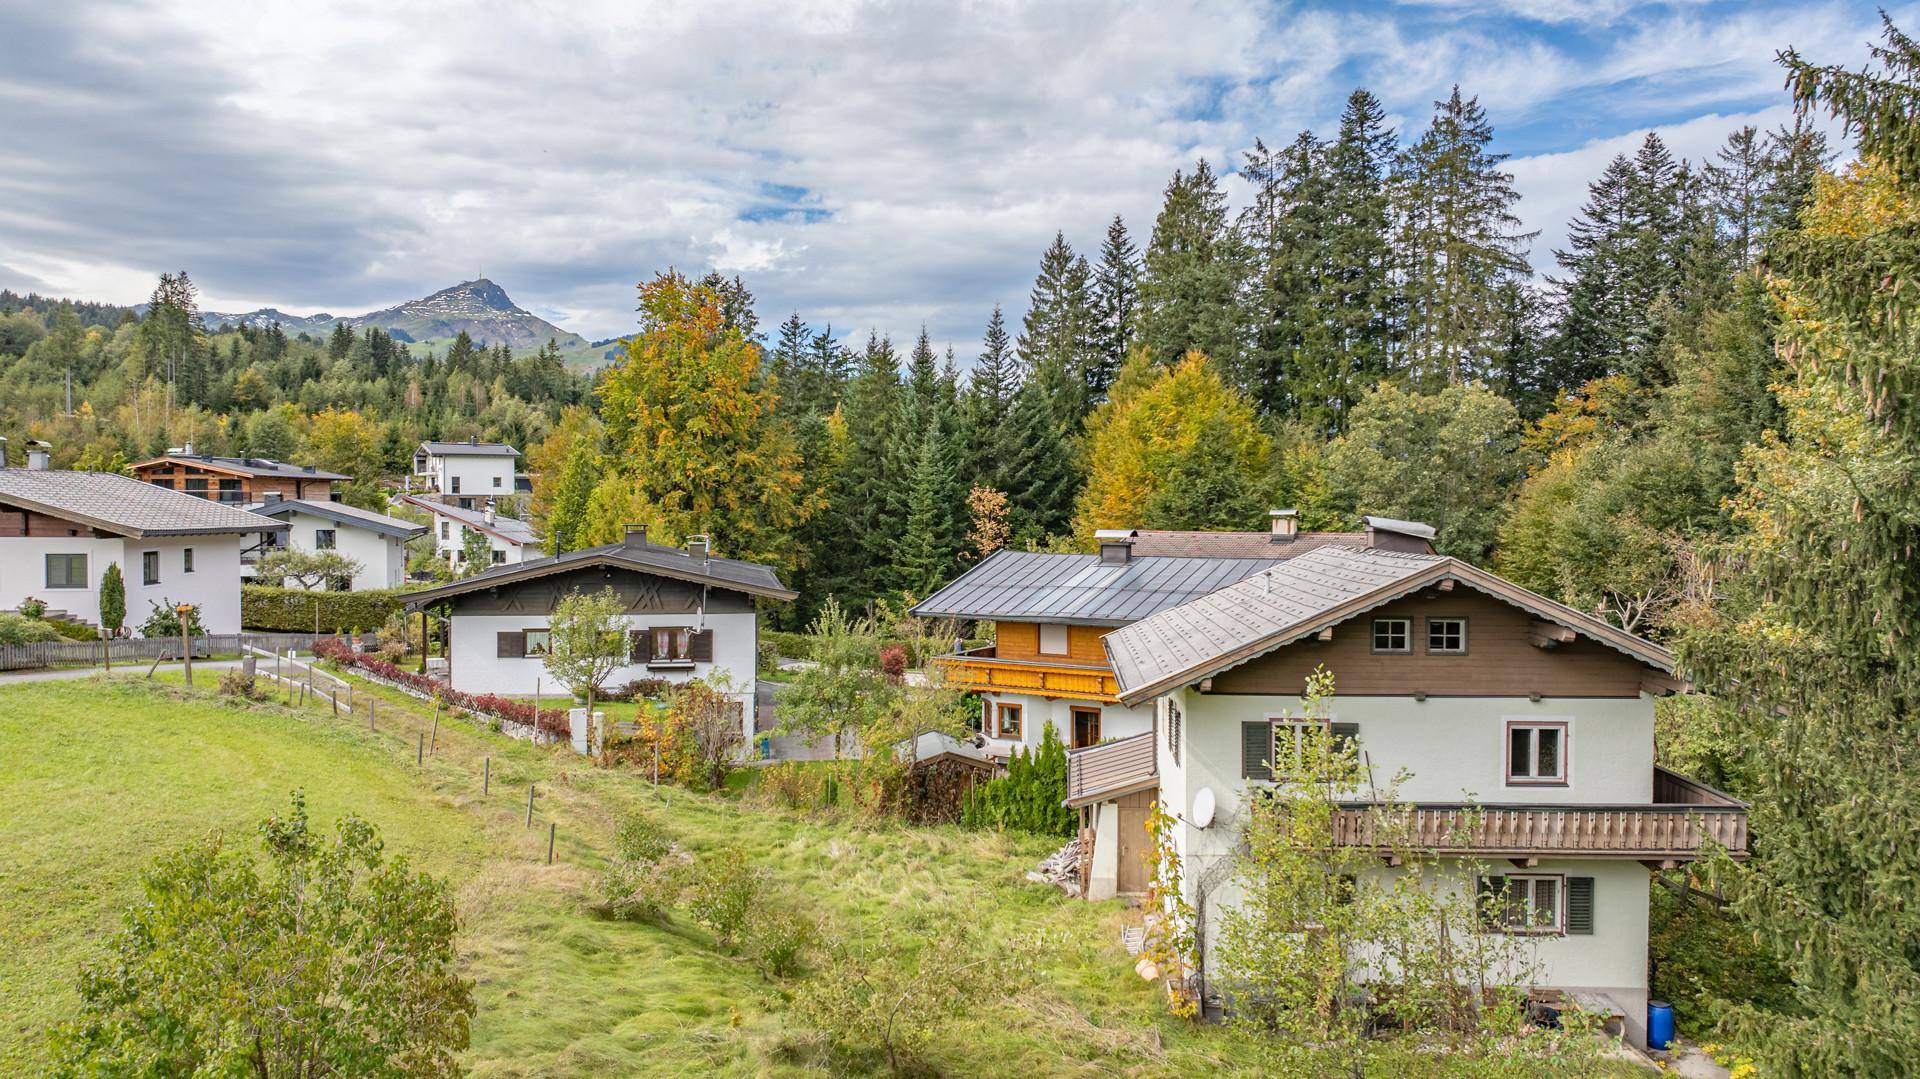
(642, 645)
(700, 646)
(511, 644)
(1492, 900)
(1256, 750)
(1580, 906)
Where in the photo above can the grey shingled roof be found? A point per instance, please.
(507, 528)
(469, 449)
(1079, 588)
(252, 466)
(342, 513)
(1252, 617)
(750, 577)
(1264, 545)
(123, 505)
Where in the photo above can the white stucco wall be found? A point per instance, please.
(23, 573)
(382, 558)
(214, 583)
(455, 535)
(1116, 721)
(478, 668)
(479, 476)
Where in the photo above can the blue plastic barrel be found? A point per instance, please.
(1659, 1024)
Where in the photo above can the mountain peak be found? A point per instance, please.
(480, 290)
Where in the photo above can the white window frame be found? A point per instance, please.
(1065, 638)
(1562, 724)
(1555, 924)
(1296, 728)
(1460, 651)
(1373, 637)
(545, 647)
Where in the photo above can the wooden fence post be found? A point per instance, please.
(550, 830)
(420, 752)
(486, 775)
(529, 805)
(433, 745)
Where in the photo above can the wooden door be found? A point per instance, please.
(1086, 727)
(1135, 841)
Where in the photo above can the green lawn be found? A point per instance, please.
(104, 774)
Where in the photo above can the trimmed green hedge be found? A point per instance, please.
(293, 610)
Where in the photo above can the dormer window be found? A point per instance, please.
(1393, 635)
(1446, 636)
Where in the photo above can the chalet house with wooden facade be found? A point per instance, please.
(237, 481)
(1048, 612)
(689, 614)
(1525, 728)
(60, 530)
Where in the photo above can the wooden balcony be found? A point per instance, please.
(1110, 769)
(980, 671)
(1684, 820)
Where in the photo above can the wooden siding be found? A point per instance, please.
(1021, 640)
(16, 522)
(1614, 831)
(252, 488)
(1500, 661)
(1125, 764)
(981, 671)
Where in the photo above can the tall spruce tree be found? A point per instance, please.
(1116, 295)
(1037, 468)
(1192, 274)
(1059, 330)
(989, 397)
(1821, 654)
(855, 564)
(1285, 365)
(1459, 242)
(1361, 298)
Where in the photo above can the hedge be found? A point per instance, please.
(551, 720)
(264, 607)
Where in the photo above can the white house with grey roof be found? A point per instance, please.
(377, 542)
(466, 473)
(1524, 730)
(509, 541)
(60, 530)
(689, 614)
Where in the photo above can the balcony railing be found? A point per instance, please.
(1686, 818)
(981, 671)
(1110, 769)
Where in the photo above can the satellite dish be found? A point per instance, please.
(1203, 807)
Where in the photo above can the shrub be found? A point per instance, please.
(1029, 796)
(725, 889)
(237, 683)
(796, 785)
(638, 689)
(164, 621)
(778, 939)
(72, 631)
(1702, 957)
(19, 629)
(33, 608)
(265, 607)
(893, 662)
(698, 732)
(787, 645)
(642, 880)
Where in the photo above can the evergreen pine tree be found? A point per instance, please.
(856, 564)
(1116, 294)
(1192, 273)
(787, 362)
(1037, 469)
(989, 396)
(1059, 330)
(1361, 298)
(1289, 364)
(935, 518)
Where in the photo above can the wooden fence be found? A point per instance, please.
(21, 657)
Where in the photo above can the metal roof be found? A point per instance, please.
(1080, 588)
(469, 449)
(510, 529)
(1268, 610)
(1149, 541)
(342, 513)
(251, 466)
(751, 578)
(123, 505)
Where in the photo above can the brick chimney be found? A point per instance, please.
(1284, 524)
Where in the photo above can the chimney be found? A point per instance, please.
(1410, 537)
(1285, 523)
(39, 455)
(473, 440)
(636, 536)
(3, 451)
(187, 450)
(487, 514)
(1116, 546)
(699, 546)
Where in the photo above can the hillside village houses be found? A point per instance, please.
(237, 481)
(60, 530)
(689, 614)
(467, 474)
(1179, 679)
(509, 541)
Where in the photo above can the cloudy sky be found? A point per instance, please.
(881, 165)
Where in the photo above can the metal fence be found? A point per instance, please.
(20, 657)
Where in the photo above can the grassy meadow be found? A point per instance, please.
(103, 774)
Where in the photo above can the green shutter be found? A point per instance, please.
(1256, 750)
(1492, 901)
(1580, 905)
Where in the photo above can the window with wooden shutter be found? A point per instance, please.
(1256, 750)
(1345, 734)
(1580, 905)
(1492, 898)
(642, 641)
(510, 644)
(700, 648)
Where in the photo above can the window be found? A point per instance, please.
(672, 644)
(1392, 635)
(1446, 636)
(1525, 903)
(1173, 731)
(324, 538)
(538, 642)
(150, 567)
(1276, 748)
(499, 557)
(66, 571)
(186, 560)
(443, 530)
(1008, 725)
(230, 491)
(197, 487)
(456, 486)
(167, 483)
(1537, 753)
(1053, 640)
(496, 481)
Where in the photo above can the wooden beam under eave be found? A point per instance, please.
(1325, 634)
(1661, 684)
(1549, 634)
(1525, 863)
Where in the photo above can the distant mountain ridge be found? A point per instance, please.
(480, 307)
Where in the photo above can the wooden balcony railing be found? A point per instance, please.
(1687, 817)
(980, 671)
(1121, 766)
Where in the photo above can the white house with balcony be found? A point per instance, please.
(60, 530)
(466, 473)
(375, 541)
(689, 614)
(1524, 729)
